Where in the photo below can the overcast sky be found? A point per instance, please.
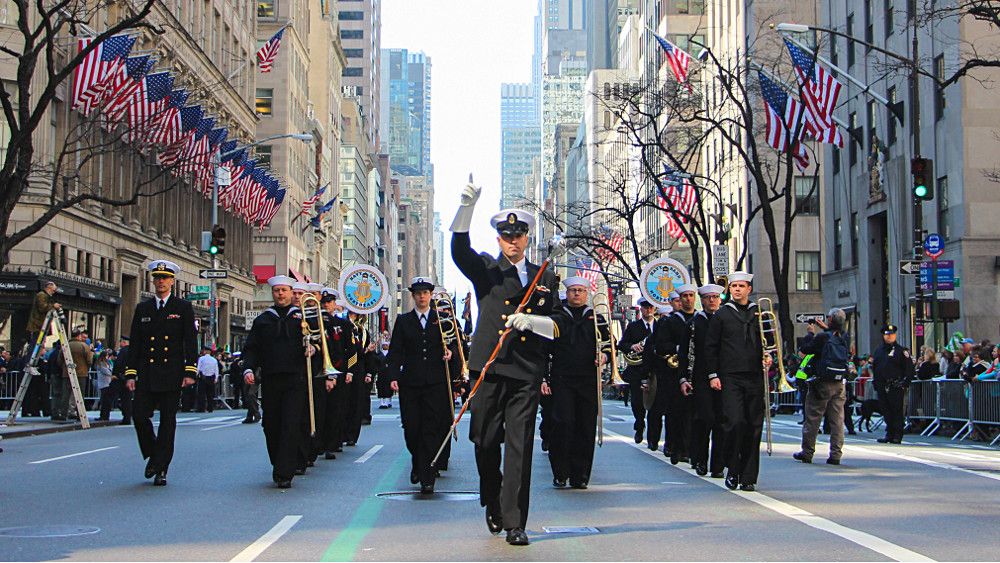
(474, 46)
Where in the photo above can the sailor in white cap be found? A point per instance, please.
(417, 364)
(340, 339)
(706, 404)
(298, 290)
(504, 408)
(573, 384)
(162, 361)
(675, 300)
(632, 344)
(274, 351)
(735, 356)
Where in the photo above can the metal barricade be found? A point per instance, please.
(953, 405)
(921, 402)
(786, 399)
(984, 401)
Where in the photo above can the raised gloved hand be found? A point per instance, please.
(542, 326)
(463, 218)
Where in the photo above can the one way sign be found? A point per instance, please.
(909, 267)
(806, 317)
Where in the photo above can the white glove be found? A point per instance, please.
(542, 326)
(463, 218)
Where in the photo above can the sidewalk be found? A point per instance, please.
(36, 425)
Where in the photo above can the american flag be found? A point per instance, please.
(677, 59)
(678, 202)
(196, 154)
(148, 101)
(321, 210)
(164, 126)
(783, 117)
(92, 75)
(613, 242)
(124, 90)
(588, 270)
(820, 92)
(309, 202)
(267, 53)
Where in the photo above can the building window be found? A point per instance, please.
(834, 55)
(353, 71)
(265, 8)
(939, 100)
(890, 130)
(265, 101)
(869, 25)
(63, 259)
(79, 262)
(888, 17)
(351, 16)
(855, 233)
(872, 109)
(944, 225)
(852, 147)
(264, 155)
(806, 195)
(352, 34)
(693, 7)
(354, 53)
(850, 44)
(807, 271)
(838, 243)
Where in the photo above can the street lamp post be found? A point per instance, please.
(216, 163)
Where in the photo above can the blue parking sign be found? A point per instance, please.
(933, 245)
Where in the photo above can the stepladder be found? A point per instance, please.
(51, 327)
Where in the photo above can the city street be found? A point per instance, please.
(929, 499)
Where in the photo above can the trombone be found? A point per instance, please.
(601, 307)
(311, 309)
(448, 327)
(770, 341)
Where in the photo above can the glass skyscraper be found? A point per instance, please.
(520, 138)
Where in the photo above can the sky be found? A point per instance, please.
(474, 46)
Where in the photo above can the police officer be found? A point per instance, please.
(417, 357)
(505, 406)
(633, 338)
(161, 362)
(737, 359)
(275, 347)
(573, 385)
(706, 394)
(892, 370)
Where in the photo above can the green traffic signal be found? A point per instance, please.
(922, 172)
(213, 249)
(920, 191)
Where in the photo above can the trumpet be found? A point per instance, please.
(311, 309)
(770, 341)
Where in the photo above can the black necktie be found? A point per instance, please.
(159, 304)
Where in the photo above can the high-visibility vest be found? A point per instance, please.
(801, 373)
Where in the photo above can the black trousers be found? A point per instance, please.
(156, 445)
(358, 404)
(545, 425)
(250, 401)
(426, 414)
(891, 401)
(678, 420)
(336, 417)
(123, 396)
(237, 384)
(706, 426)
(189, 396)
(206, 394)
(656, 416)
(574, 428)
(638, 410)
(503, 412)
(283, 398)
(743, 412)
(36, 400)
(315, 443)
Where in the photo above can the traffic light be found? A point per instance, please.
(724, 282)
(922, 170)
(218, 243)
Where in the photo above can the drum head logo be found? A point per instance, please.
(363, 289)
(660, 277)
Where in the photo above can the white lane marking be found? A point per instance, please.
(874, 543)
(964, 457)
(268, 539)
(228, 424)
(914, 459)
(368, 455)
(74, 455)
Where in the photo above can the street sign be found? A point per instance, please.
(946, 294)
(806, 317)
(945, 275)
(250, 316)
(197, 296)
(223, 176)
(201, 288)
(933, 245)
(213, 274)
(909, 267)
(720, 259)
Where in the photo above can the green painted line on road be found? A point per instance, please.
(345, 545)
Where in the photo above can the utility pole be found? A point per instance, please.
(213, 285)
(918, 208)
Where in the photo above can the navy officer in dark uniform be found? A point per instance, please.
(416, 366)
(632, 343)
(160, 362)
(706, 406)
(892, 371)
(505, 406)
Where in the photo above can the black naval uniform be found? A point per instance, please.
(163, 351)
(416, 362)
(892, 370)
(706, 403)
(275, 347)
(505, 406)
(734, 354)
(635, 333)
(573, 379)
(324, 402)
(666, 341)
(358, 392)
(340, 333)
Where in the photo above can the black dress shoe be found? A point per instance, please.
(330, 455)
(833, 461)
(284, 483)
(717, 475)
(801, 456)
(674, 458)
(558, 483)
(638, 436)
(545, 445)
(414, 478)
(352, 443)
(883, 440)
(516, 536)
(161, 479)
(653, 447)
(732, 481)
(494, 522)
(896, 441)
(427, 489)
(578, 484)
(338, 449)
(852, 433)
(442, 467)
(300, 471)
(748, 487)
(684, 459)
(124, 422)
(248, 421)
(310, 463)
(701, 469)
(150, 469)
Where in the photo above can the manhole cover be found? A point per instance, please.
(570, 530)
(47, 531)
(437, 495)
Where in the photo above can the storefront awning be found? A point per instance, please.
(298, 277)
(263, 273)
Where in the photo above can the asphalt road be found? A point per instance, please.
(932, 500)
